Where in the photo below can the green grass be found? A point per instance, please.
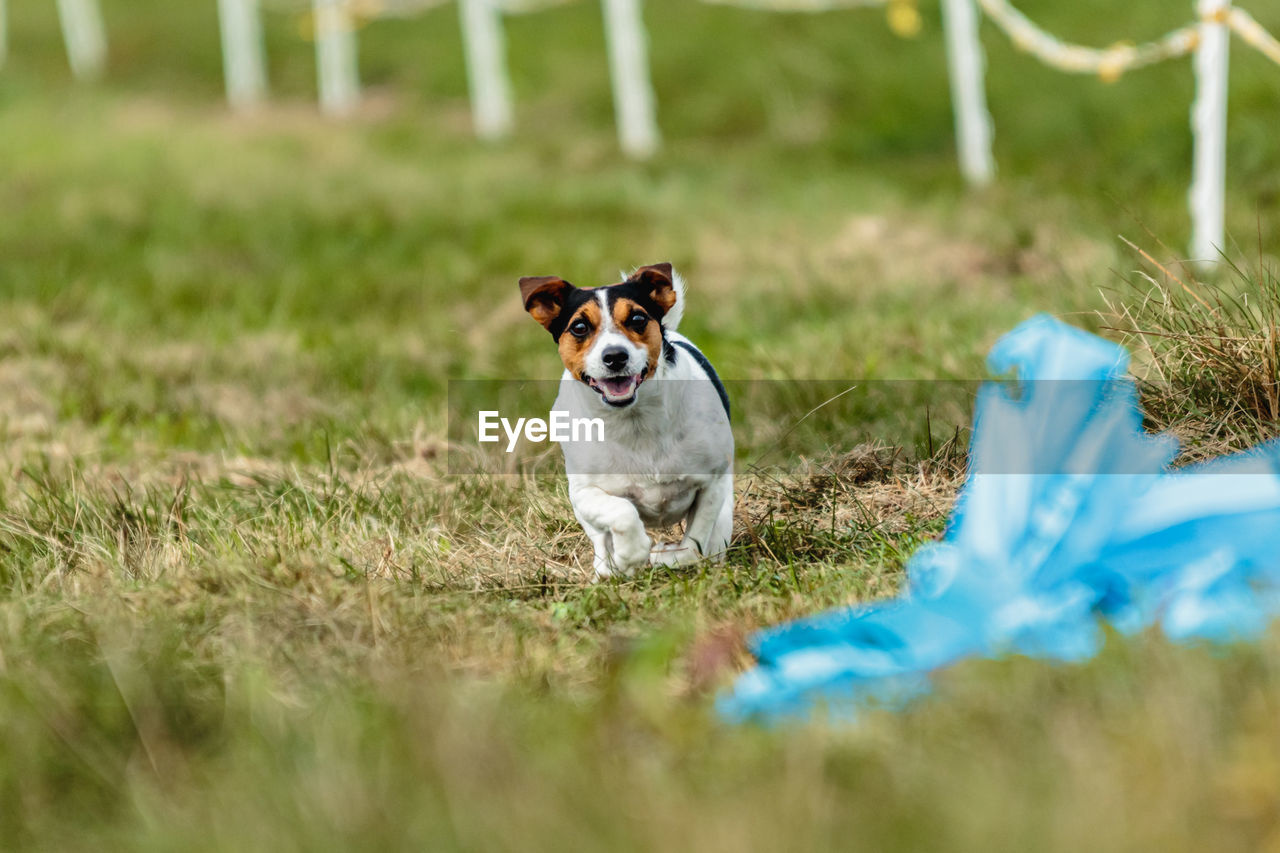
(243, 605)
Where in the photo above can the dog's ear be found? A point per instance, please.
(544, 297)
(658, 278)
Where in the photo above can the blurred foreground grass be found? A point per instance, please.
(242, 605)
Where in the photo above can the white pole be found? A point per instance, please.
(337, 73)
(4, 33)
(85, 36)
(1209, 131)
(968, 91)
(486, 67)
(243, 59)
(633, 101)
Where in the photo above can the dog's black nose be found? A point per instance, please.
(614, 358)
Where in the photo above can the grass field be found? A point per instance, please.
(243, 605)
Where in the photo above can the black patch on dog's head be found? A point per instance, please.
(650, 287)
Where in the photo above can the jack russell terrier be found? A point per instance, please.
(667, 453)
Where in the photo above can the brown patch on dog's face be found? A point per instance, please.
(578, 335)
(640, 327)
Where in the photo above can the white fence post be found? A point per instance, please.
(243, 58)
(337, 73)
(633, 100)
(4, 33)
(486, 67)
(85, 35)
(968, 91)
(1209, 131)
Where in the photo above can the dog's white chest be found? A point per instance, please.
(660, 504)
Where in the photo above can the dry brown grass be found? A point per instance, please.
(870, 483)
(1205, 350)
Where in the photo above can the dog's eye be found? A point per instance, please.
(637, 321)
(579, 329)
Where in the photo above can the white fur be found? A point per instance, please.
(671, 320)
(608, 336)
(666, 458)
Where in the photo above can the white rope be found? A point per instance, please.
(1109, 62)
(1209, 40)
(368, 10)
(358, 9)
(525, 7)
(1253, 34)
(1113, 61)
(903, 15)
(394, 8)
(799, 5)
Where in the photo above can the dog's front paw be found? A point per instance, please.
(603, 568)
(673, 554)
(630, 552)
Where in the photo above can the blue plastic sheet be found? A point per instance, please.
(1070, 515)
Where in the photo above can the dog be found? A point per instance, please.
(667, 449)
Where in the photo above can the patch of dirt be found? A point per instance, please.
(26, 406)
(870, 484)
(886, 249)
(906, 250)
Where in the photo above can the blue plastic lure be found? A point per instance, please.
(1070, 515)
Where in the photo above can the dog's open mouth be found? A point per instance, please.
(617, 390)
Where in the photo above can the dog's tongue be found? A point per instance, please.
(619, 388)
